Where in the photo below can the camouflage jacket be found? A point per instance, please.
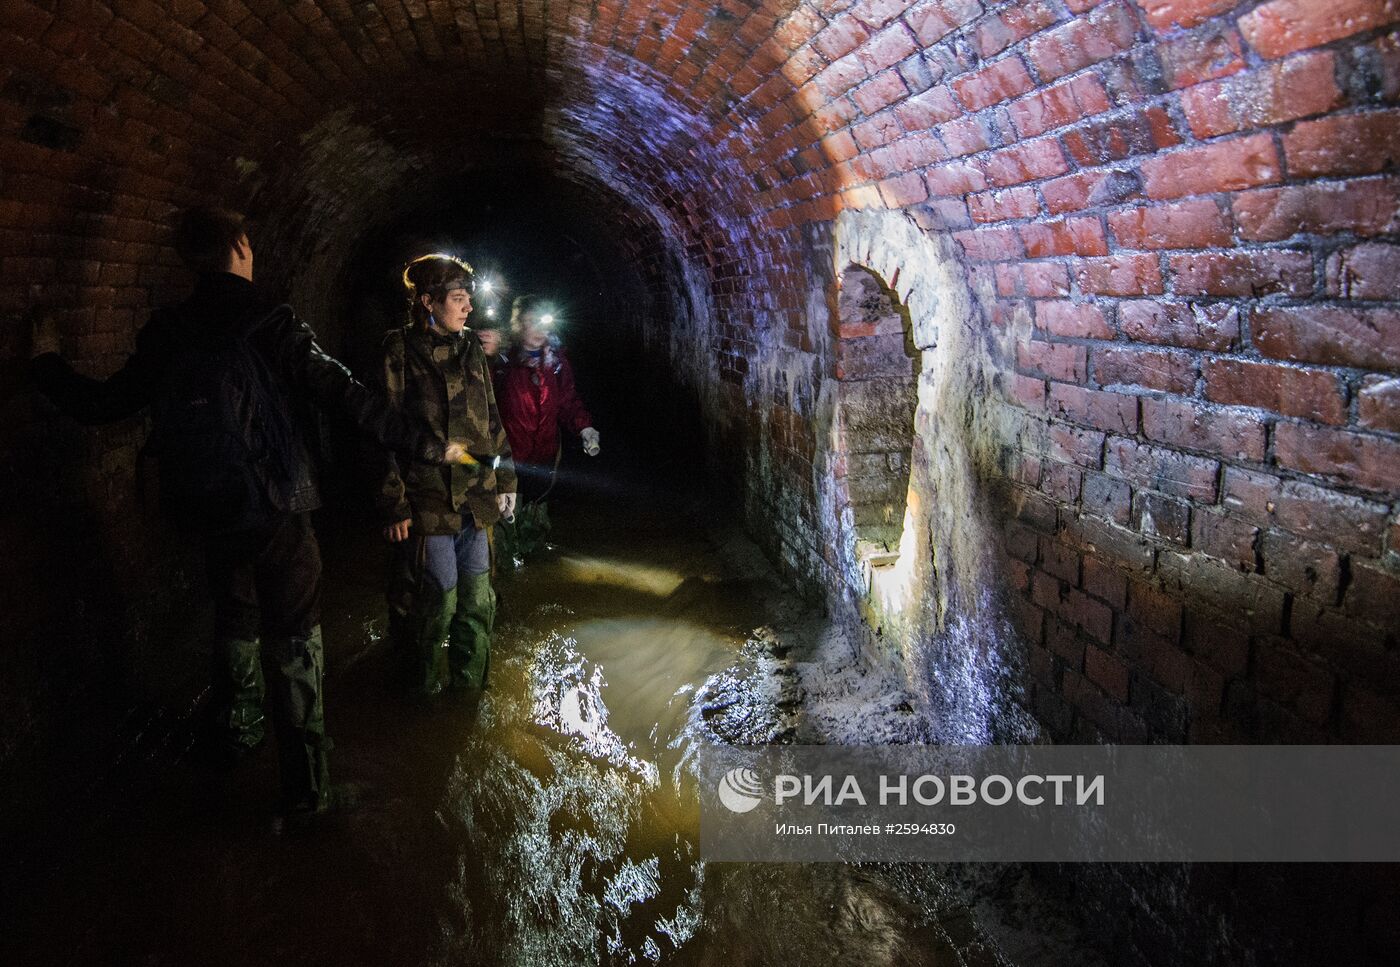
(442, 385)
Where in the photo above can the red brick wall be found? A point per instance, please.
(1186, 213)
(1179, 215)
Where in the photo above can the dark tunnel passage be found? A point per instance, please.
(968, 372)
(563, 242)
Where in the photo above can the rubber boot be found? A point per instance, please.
(506, 543)
(469, 637)
(543, 525)
(531, 528)
(298, 716)
(418, 637)
(238, 697)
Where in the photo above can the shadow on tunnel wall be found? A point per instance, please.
(101, 644)
(100, 616)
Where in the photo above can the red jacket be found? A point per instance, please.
(534, 401)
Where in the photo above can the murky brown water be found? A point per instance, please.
(556, 824)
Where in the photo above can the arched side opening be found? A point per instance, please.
(877, 368)
(906, 332)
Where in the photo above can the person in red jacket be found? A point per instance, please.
(536, 396)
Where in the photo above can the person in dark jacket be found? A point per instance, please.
(535, 390)
(438, 518)
(263, 562)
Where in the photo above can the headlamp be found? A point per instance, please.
(438, 291)
(441, 290)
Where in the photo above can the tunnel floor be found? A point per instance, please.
(554, 824)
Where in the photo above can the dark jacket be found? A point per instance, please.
(442, 384)
(220, 304)
(535, 401)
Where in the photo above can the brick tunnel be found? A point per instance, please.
(1053, 345)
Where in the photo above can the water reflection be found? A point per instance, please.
(577, 828)
(577, 817)
(556, 823)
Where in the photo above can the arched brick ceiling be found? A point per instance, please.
(323, 116)
(1066, 145)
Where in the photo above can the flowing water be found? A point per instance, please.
(555, 823)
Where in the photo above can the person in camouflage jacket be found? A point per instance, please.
(439, 517)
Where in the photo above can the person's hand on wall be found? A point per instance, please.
(590, 441)
(506, 503)
(43, 333)
(397, 532)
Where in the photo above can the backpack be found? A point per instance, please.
(223, 434)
